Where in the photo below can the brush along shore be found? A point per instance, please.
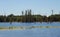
(25, 27)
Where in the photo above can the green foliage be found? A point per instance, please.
(28, 17)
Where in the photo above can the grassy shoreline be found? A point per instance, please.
(25, 27)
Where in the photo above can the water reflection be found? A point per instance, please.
(30, 24)
(42, 32)
(30, 29)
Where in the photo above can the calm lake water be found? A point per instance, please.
(34, 32)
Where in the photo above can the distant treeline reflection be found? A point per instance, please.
(28, 17)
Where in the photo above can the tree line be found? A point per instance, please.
(28, 17)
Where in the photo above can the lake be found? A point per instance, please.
(34, 32)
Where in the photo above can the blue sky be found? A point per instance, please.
(42, 7)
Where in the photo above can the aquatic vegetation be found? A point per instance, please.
(26, 27)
